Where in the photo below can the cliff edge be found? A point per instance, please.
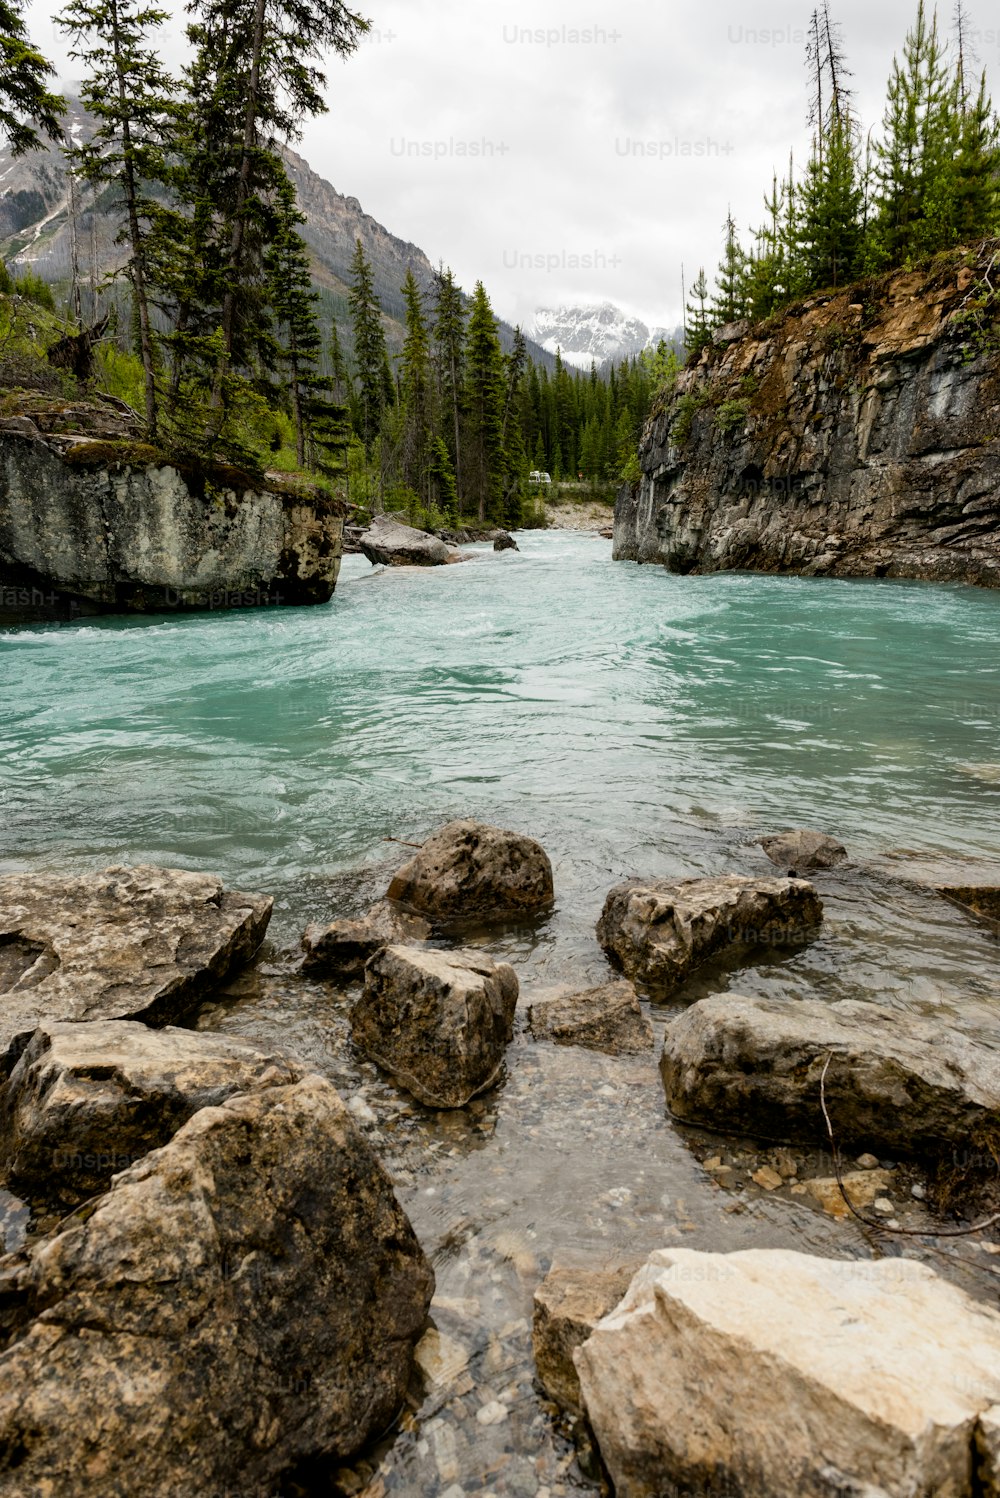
(855, 435)
(94, 521)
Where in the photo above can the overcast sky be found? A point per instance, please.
(568, 153)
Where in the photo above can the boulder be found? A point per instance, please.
(242, 1301)
(341, 950)
(659, 930)
(568, 1305)
(439, 1022)
(771, 1374)
(802, 851)
(897, 1083)
(85, 1101)
(602, 1019)
(127, 943)
(469, 869)
(502, 541)
(979, 900)
(389, 543)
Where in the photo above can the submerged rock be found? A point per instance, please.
(979, 900)
(469, 870)
(606, 1019)
(896, 1082)
(86, 1101)
(502, 541)
(389, 543)
(771, 1374)
(439, 1022)
(659, 930)
(127, 943)
(243, 1300)
(341, 949)
(568, 1305)
(803, 851)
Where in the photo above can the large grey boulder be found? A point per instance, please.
(126, 943)
(469, 869)
(896, 1083)
(608, 1019)
(341, 949)
(389, 543)
(771, 1374)
(658, 931)
(86, 1101)
(241, 1301)
(568, 1305)
(802, 851)
(439, 1022)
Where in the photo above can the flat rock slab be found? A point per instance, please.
(771, 1374)
(980, 900)
(243, 1300)
(568, 1305)
(802, 851)
(606, 1019)
(341, 949)
(86, 1101)
(659, 931)
(389, 543)
(439, 1022)
(897, 1083)
(126, 943)
(469, 870)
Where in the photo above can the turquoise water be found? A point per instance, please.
(615, 712)
(632, 721)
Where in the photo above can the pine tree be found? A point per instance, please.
(830, 231)
(129, 96)
(484, 403)
(511, 434)
(449, 359)
(370, 354)
(341, 380)
(730, 301)
(28, 110)
(699, 323)
(976, 179)
(415, 391)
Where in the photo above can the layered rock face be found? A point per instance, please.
(856, 436)
(94, 523)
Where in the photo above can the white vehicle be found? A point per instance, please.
(539, 478)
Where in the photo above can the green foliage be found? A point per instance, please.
(688, 406)
(370, 354)
(731, 415)
(28, 110)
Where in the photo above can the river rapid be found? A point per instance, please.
(634, 723)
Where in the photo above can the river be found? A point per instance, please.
(633, 722)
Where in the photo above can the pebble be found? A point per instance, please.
(883, 1206)
(867, 1162)
(767, 1179)
(492, 1414)
(918, 1192)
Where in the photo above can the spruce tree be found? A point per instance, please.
(28, 109)
(512, 436)
(730, 301)
(129, 96)
(370, 355)
(449, 360)
(484, 404)
(699, 323)
(830, 230)
(415, 391)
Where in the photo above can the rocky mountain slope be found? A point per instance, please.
(857, 435)
(597, 334)
(36, 231)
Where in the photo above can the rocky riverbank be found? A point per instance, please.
(216, 1166)
(93, 520)
(855, 435)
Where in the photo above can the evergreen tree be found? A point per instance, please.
(415, 391)
(449, 359)
(730, 301)
(442, 480)
(484, 405)
(699, 323)
(976, 176)
(512, 436)
(370, 354)
(129, 96)
(830, 230)
(28, 110)
(341, 380)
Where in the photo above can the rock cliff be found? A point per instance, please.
(855, 435)
(92, 521)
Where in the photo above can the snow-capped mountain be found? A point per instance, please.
(595, 334)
